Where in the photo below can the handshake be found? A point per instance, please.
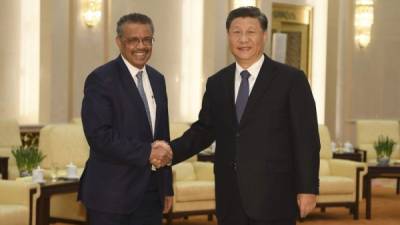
(161, 154)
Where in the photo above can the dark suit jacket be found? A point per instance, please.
(274, 151)
(117, 130)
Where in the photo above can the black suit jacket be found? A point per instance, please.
(273, 152)
(118, 132)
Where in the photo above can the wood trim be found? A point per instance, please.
(69, 221)
(173, 215)
(358, 180)
(31, 193)
(4, 167)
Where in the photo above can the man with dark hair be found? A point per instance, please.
(262, 116)
(123, 111)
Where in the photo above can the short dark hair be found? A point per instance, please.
(247, 11)
(134, 18)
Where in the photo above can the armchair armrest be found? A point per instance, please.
(354, 170)
(16, 192)
(347, 168)
(363, 154)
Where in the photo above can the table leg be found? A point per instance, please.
(43, 210)
(368, 197)
(4, 168)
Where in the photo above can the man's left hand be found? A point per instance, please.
(167, 203)
(307, 203)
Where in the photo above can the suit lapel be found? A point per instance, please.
(229, 83)
(263, 82)
(130, 86)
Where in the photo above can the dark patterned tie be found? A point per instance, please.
(243, 94)
(143, 95)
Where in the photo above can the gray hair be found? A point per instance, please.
(134, 18)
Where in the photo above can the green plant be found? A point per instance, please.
(27, 157)
(384, 146)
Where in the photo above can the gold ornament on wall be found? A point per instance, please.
(363, 20)
(92, 12)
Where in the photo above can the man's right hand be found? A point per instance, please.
(161, 154)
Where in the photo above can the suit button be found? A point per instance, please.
(237, 134)
(234, 166)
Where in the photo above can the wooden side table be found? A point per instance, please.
(374, 171)
(48, 190)
(205, 158)
(4, 167)
(353, 156)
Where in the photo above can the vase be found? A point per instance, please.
(383, 160)
(24, 173)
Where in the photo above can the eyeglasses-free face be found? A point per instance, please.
(246, 40)
(136, 43)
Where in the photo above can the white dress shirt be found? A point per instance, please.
(147, 90)
(254, 70)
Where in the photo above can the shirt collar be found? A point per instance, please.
(133, 70)
(253, 69)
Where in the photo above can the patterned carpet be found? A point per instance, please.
(385, 210)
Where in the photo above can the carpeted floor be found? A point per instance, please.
(385, 211)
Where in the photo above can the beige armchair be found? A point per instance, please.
(193, 184)
(340, 180)
(368, 132)
(62, 144)
(16, 205)
(9, 137)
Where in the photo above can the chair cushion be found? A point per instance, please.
(336, 185)
(325, 140)
(62, 144)
(184, 171)
(204, 170)
(14, 214)
(194, 191)
(193, 206)
(324, 169)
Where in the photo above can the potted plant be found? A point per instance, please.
(384, 148)
(28, 158)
